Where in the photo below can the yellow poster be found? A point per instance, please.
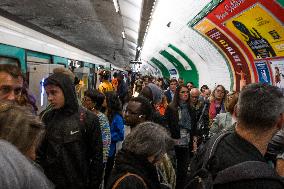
(204, 26)
(259, 31)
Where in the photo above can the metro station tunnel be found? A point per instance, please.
(232, 43)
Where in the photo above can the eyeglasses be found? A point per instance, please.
(133, 113)
(220, 91)
(86, 99)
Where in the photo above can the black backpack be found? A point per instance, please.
(203, 177)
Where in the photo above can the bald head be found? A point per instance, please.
(194, 95)
(194, 91)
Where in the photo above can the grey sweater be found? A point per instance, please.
(17, 172)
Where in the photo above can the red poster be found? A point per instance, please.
(230, 10)
(241, 69)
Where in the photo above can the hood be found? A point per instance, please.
(126, 161)
(65, 83)
(156, 92)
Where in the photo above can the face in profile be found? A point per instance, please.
(10, 87)
(88, 103)
(132, 114)
(55, 96)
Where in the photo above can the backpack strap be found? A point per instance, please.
(118, 181)
(212, 146)
(245, 171)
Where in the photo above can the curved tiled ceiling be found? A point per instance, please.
(93, 26)
(218, 41)
(194, 58)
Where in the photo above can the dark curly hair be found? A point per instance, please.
(97, 98)
(114, 105)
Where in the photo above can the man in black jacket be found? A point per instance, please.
(260, 114)
(71, 153)
(11, 81)
(171, 91)
(201, 112)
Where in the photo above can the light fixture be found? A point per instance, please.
(123, 35)
(169, 24)
(41, 92)
(138, 48)
(116, 6)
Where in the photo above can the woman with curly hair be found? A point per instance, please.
(114, 114)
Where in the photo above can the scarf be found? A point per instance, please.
(212, 109)
(184, 116)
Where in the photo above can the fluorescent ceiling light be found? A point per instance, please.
(123, 35)
(116, 6)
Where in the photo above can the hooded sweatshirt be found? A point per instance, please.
(71, 152)
(156, 92)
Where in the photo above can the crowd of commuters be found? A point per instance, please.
(139, 132)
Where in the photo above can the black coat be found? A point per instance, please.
(127, 162)
(71, 152)
(275, 146)
(172, 118)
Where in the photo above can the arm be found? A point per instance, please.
(118, 127)
(280, 166)
(169, 122)
(215, 128)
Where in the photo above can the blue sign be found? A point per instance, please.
(173, 72)
(263, 72)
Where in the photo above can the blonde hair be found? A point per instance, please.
(20, 127)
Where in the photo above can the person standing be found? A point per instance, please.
(239, 156)
(114, 114)
(93, 101)
(201, 111)
(105, 85)
(170, 93)
(11, 82)
(182, 125)
(217, 102)
(71, 153)
(135, 165)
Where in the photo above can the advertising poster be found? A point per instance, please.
(259, 30)
(237, 61)
(263, 72)
(277, 67)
